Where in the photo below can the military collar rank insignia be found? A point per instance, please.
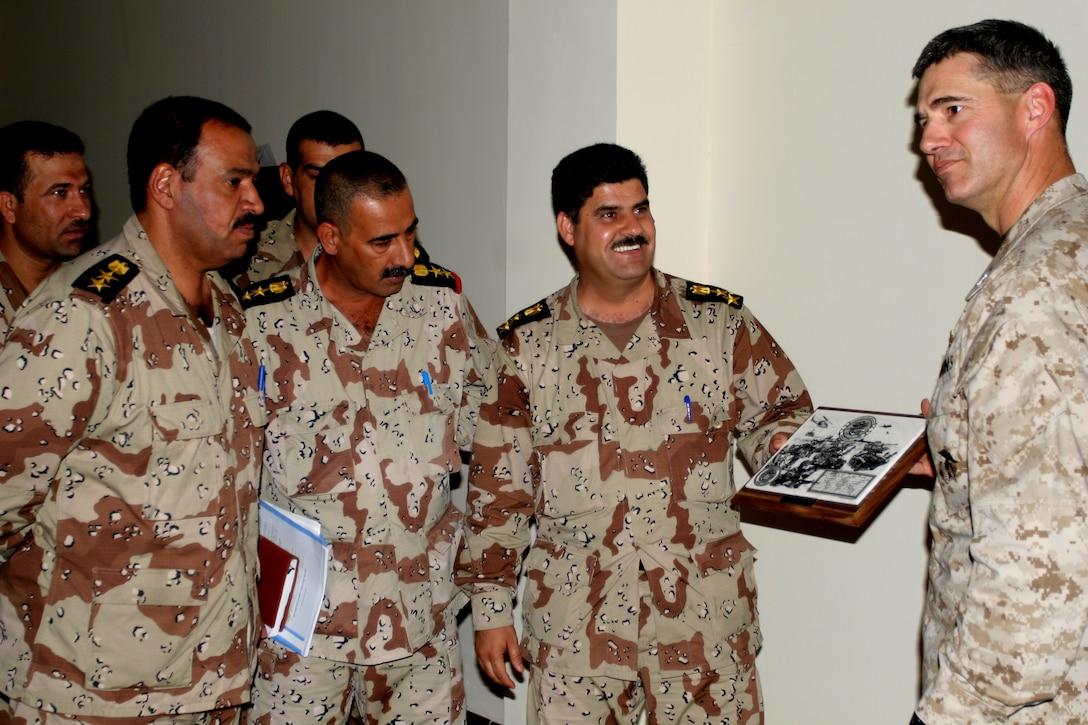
(107, 278)
(539, 311)
(707, 293)
(431, 275)
(269, 290)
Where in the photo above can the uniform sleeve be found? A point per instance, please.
(769, 395)
(503, 479)
(52, 372)
(481, 349)
(1024, 614)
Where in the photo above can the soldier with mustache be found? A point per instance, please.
(130, 454)
(375, 374)
(610, 418)
(45, 207)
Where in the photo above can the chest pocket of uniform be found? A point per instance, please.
(311, 449)
(185, 470)
(697, 449)
(573, 463)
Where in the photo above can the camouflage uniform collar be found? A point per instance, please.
(229, 320)
(13, 288)
(1057, 193)
(410, 302)
(664, 319)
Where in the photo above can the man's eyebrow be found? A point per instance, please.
(945, 100)
(312, 167)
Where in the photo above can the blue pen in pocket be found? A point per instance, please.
(427, 382)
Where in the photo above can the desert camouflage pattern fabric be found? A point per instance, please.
(276, 253)
(425, 688)
(722, 698)
(1007, 608)
(599, 447)
(130, 442)
(359, 440)
(12, 294)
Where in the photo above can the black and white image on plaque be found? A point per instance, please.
(838, 455)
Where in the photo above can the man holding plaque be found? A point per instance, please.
(1005, 627)
(610, 415)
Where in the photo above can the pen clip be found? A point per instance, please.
(427, 382)
(687, 406)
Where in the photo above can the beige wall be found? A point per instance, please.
(779, 142)
(781, 151)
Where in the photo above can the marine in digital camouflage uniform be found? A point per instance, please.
(374, 386)
(130, 448)
(1006, 616)
(286, 244)
(45, 207)
(612, 427)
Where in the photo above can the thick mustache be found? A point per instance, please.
(395, 272)
(247, 218)
(79, 225)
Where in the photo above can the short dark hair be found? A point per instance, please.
(168, 131)
(1012, 56)
(21, 139)
(350, 176)
(324, 127)
(578, 174)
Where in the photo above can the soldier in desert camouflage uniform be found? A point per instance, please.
(286, 244)
(1005, 629)
(375, 370)
(130, 451)
(45, 207)
(610, 414)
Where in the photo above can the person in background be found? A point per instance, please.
(130, 451)
(45, 207)
(1005, 626)
(610, 418)
(286, 244)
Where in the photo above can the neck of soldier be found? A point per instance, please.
(187, 271)
(616, 301)
(1045, 162)
(305, 237)
(29, 269)
(362, 309)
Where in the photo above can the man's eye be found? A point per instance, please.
(953, 110)
(60, 193)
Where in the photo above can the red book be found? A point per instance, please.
(277, 581)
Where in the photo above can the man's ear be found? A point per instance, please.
(8, 204)
(329, 236)
(287, 178)
(163, 185)
(1041, 105)
(565, 226)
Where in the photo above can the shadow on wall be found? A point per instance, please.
(953, 218)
